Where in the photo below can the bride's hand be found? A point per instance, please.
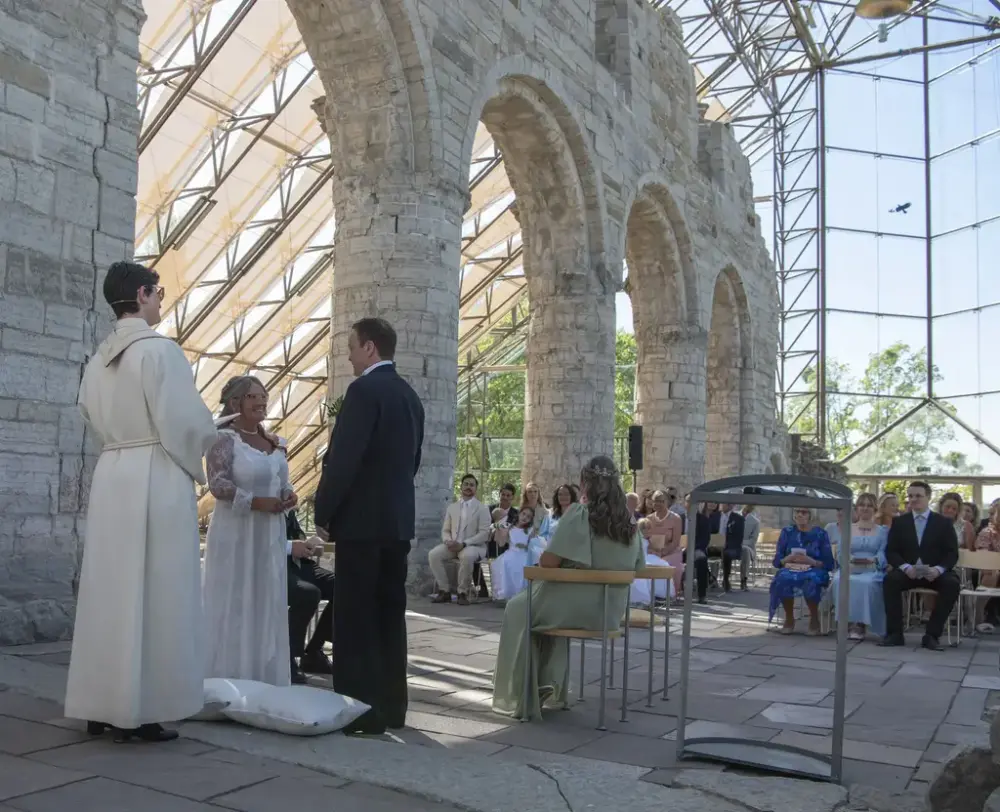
(291, 500)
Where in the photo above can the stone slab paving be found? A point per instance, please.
(907, 709)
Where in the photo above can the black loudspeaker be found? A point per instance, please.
(635, 448)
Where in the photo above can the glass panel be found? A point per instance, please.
(886, 115)
(953, 185)
(957, 358)
(951, 120)
(979, 413)
(864, 191)
(920, 444)
(878, 355)
(964, 268)
(876, 274)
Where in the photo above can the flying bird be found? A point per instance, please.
(902, 208)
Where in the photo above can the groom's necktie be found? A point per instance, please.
(921, 522)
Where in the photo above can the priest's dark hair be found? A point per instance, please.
(380, 333)
(122, 284)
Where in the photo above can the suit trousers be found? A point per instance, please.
(308, 584)
(369, 628)
(466, 560)
(897, 582)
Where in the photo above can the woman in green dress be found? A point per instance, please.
(596, 534)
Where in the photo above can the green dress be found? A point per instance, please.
(559, 605)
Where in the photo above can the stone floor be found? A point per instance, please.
(47, 767)
(907, 709)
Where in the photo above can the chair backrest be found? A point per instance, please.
(568, 575)
(979, 560)
(769, 536)
(717, 541)
(684, 541)
(655, 573)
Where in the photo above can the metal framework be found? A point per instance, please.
(765, 67)
(234, 208)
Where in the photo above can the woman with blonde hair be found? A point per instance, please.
(888, 509)
(246, 579)
(866, 608)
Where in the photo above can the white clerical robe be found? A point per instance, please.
(137, 645)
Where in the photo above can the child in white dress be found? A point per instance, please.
(507, 571)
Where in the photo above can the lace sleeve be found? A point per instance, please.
(219, 466)
(283, 473)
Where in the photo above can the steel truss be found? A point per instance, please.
(765, 64)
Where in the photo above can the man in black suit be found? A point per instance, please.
(922, 551)
(733, 549)
(308, 584)
(366, 502)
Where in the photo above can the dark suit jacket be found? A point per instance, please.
(734, 532)
(366, 490)
(939, 547)
(293, 530)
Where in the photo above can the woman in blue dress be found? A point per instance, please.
(865, 607)
(564, 497)
(804, 561)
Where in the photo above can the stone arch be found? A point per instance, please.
(663, 287)
(569, 394)
(374, 61)
(729, 379)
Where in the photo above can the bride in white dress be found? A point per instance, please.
(640, 588)
(245, 577)
(507, 571)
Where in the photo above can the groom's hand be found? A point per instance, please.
(301, 550)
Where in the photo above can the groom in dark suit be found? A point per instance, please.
(366, 502)
(922, 551)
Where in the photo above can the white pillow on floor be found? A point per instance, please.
(221, 693)
(297, 710)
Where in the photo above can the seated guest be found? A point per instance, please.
(632, 501)
(888, 509)
(532, 497)
(645, 502)
(564, 496)
(922, 550)
(507, 571)
(751, 531)
(677, 507)
(308, 584)
(640, 589)
(970, 512)
(733, 529)
(866, 609)
(464, 536)
(950, 506)
(597, 535)
(989, 539)
(506, 503)
(665, 531)
(804, 561)
(702, 538)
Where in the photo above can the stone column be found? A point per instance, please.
(727, 385)
(397, 257)
(670, 387)
(68, 167)
(570, 391)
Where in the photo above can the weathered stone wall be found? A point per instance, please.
(68, 128)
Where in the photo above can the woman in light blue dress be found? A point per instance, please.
(866, 608)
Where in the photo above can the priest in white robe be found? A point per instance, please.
(137, 653)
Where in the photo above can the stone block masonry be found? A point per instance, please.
(67, 209)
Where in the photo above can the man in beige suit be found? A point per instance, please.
(466, 531)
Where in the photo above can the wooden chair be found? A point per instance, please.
(566, 575)
(982, 561)
(767, 547)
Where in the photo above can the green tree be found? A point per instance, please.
(491, 420)
(893, 382)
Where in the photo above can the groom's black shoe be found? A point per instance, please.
(931, 643)
(315, 662)
(892, 640)
(146, 733)
(298, 678)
